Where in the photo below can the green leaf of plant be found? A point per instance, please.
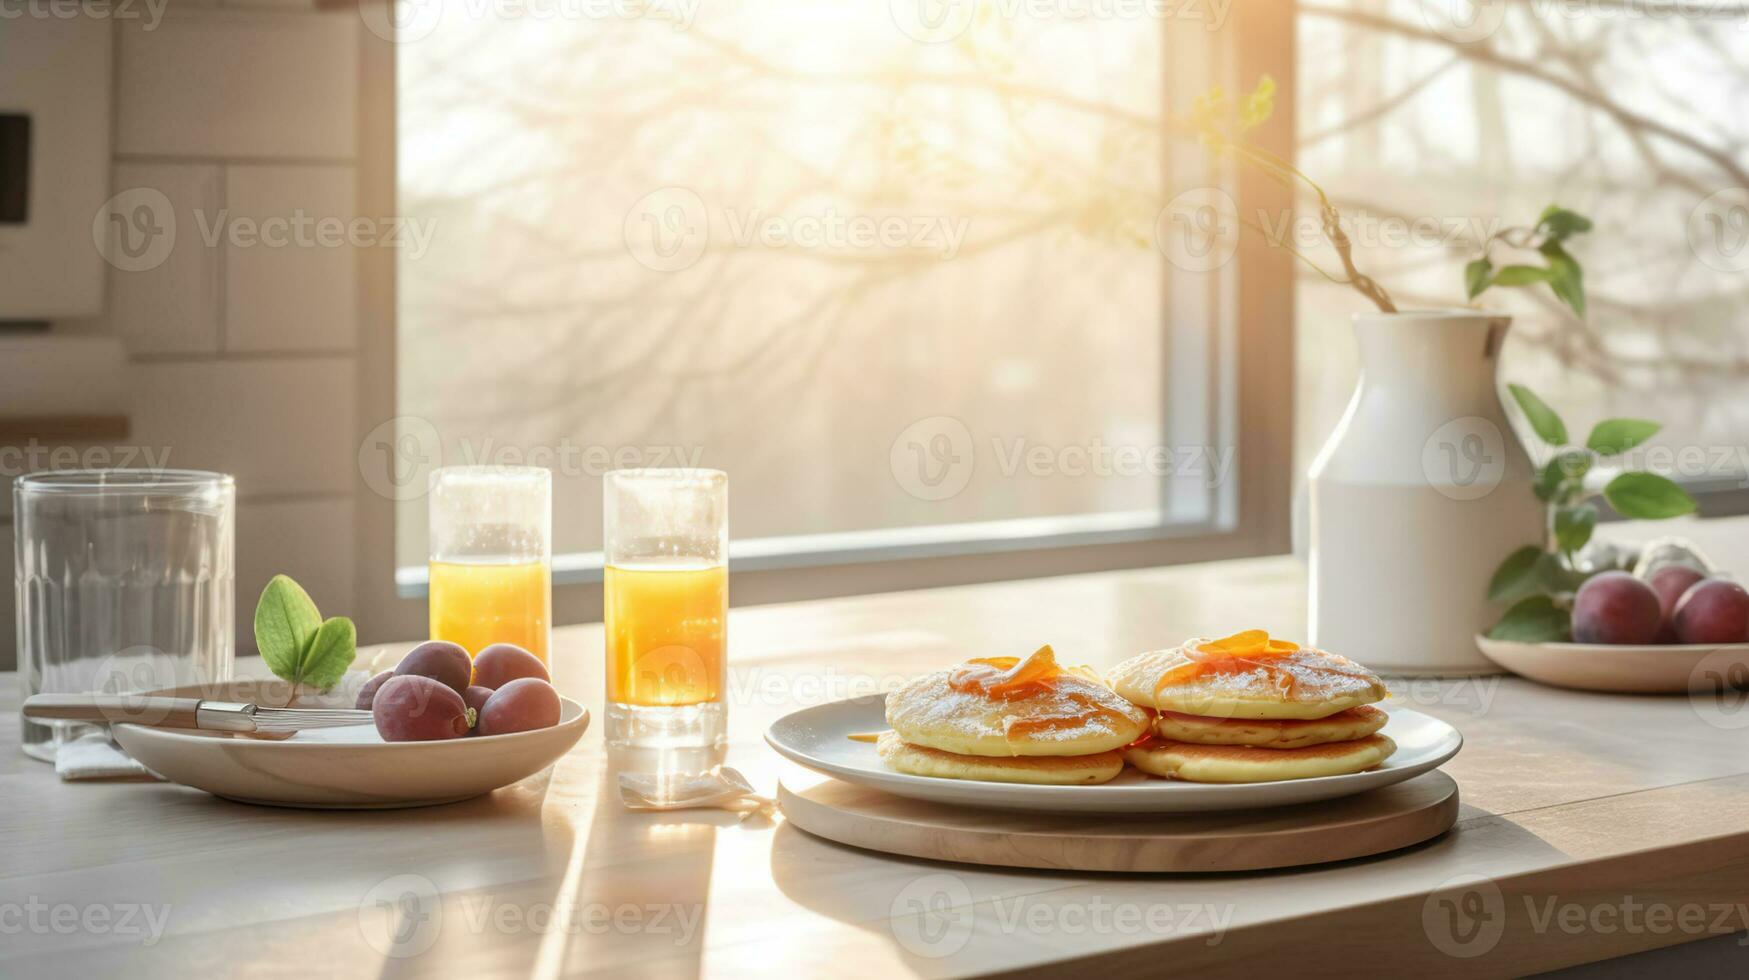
(1543, 420)
(1476, 276)
(286, 620)
(1534, 620)
(1559, 223)
(331, 651)
(1520, 275)
(1564, 276)
(1647, 496)
(1209, 109)
(1573, 526)
(1562, 479)
(1259, 104)
(1517, 575)
(1548, 481)
(1613, 436)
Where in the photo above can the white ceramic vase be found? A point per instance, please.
(1417, 497)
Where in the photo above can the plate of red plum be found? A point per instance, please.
(1678, 626)
(443, 727)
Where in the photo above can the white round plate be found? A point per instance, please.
(818, 739)
(349, 768)
(1674, 669)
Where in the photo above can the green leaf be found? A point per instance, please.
(1559, 223)
(1647, 496)
(1572, 464)
(1543, 420)
(286, 620)
(1564, 276)
(1517, 575)
(1563, 478)
(1209, 109)
(1476, 276)
(1259, 104)
(1534, 620)
(1613, 436)
(1573, 526)
(331, 651)
(1548, 480)
(1521, 275)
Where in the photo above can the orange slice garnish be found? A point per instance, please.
(1243, 651)
(1007, 675)
(1245, 643)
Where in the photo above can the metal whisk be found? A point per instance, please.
(167, 712)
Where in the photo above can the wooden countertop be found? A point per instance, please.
(1593, 826)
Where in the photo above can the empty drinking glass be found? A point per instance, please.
(125, 584)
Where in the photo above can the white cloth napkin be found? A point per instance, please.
(94, 756)
(719, 788)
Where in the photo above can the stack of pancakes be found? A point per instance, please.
(1243, 709)
(1248, 709)
(1009, 720)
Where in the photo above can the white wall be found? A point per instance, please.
(243, 357)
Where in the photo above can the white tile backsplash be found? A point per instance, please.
(279, 425)
(173, 307)
(239, 84)
(290, 281)
(237, 110)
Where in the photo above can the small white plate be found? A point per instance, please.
(1673, 669)
(349, 768)
(818, 739)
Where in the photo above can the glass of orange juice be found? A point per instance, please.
(491, 557)
(666, 606)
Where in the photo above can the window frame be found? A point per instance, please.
(1250, 347)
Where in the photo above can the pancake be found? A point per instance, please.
(1248, 764)
(1078, 770)
(1290, 733)
(1007, 707)
(1246, 677)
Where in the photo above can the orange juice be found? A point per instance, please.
(665, 633)
(477, 604)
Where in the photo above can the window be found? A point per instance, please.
(901, 277)
(1456, 115)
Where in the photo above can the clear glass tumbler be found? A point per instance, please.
(666, 606)
(491, 557)
(125, 583)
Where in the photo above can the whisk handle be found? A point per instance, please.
(103, 709)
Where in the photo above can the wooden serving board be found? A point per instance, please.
(1382, 820)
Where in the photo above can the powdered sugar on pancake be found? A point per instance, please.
(930, 711)
(1305, 675)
